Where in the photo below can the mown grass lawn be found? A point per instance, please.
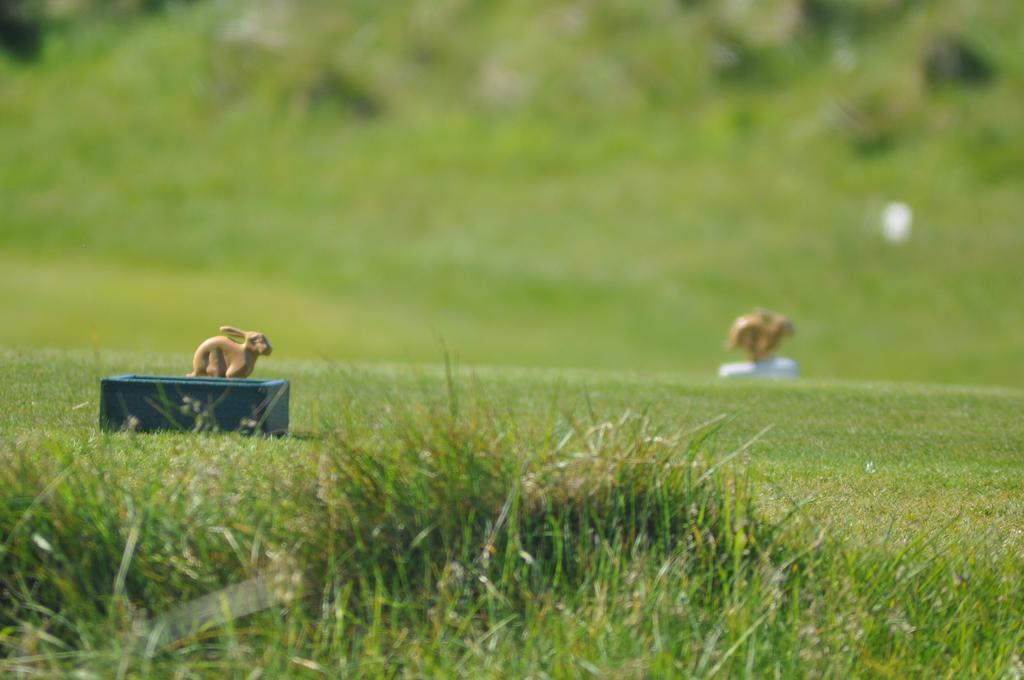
(619, 216)
(516, 522)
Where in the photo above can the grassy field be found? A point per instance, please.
(497, 522)
(573, 201)
(617, 213)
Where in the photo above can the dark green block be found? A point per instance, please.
(143, 403)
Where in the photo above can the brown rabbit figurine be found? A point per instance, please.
(222, 357)
(758, 334)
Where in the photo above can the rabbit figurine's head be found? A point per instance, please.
(253, 340)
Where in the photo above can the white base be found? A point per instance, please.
(772, 368)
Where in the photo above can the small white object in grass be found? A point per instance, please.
(870, 468)
(897, 219)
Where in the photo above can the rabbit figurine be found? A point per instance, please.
(758, 334)
(223, 357)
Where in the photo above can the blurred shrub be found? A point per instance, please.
(850, 16)
(868, 122)
(334, 88)
(950, 59)
(504, 58)
(874, 116)
(23, 23)
(365, 59)
(296, 54)
(70, 9)
(21, 27)
(768, 23)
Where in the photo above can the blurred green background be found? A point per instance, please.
(592, 184)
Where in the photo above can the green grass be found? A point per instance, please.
(620, 222)
(588, 190)
(512, 522)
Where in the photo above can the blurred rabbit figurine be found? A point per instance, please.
(759, 333)
(222, 357)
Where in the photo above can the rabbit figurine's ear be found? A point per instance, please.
(231, 331)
